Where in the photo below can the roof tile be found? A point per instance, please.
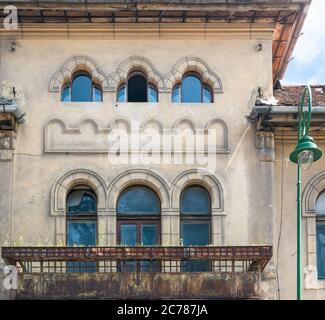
(291, 95)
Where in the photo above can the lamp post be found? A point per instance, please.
(305, 153)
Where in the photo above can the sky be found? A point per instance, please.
(308, 63)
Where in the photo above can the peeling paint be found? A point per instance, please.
(138, 285)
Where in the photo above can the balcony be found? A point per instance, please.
(155, 272)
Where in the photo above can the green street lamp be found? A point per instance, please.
(305, 153)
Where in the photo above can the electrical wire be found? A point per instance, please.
(11, 199)
(281, 218)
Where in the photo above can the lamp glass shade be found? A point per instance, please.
(306, 159)
(306, 143)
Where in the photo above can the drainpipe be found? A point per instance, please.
(285, 109)
(12, 108)
(269, 110)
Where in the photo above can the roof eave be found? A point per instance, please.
(292, 43)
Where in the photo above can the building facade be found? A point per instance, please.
(133, 155)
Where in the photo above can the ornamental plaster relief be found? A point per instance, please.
(94, 136)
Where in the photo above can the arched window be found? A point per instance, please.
(320, 234)
(192, 90)
(153, 93)
(121, 94)
(195, 204)
(138, 212)
(81, 224)
(81, 89)
(137, 89)
(65, 93)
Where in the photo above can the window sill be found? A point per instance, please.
(129, 102)
(198, 104)
(79, 102)
(312, 282)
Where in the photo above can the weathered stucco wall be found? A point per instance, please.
(286, 222)
(247, 216)
(141, 286)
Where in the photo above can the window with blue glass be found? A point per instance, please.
(195, 205)
(81, 225)
(97, 94)
(81, 89)
(176, 93)
(65, 93)
(137, 89)
(138, 200)
(320, 235)
(138, 212)
(121, 94)
(192, 90)
(153, 94)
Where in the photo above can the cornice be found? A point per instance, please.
(154, 31)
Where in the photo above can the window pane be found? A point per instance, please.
(320, 204)
(195, 200)
(65, 94)
(148, 234)
(191, 89)
(207, 95)
(138, 200)
(195, 266)
(81, 266)
(98, 94)
(81, 88)
(81, 202)
(128, 234)
(127, 266)
(137, 89)
(176, 97)
(153, 97)
(144, 266)
(81, 232)
(121, 95)
(320, 231)
(149, 266)
(195, 233)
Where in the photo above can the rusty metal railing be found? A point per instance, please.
(140, 258)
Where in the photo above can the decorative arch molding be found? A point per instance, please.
(65, 182)
(63, 122)
(137, 63)
(78, 63)
(61, 136)
(224, 147)
(96, 123)
(152, 121)
(198, 177)
(314, 187)
(311, 192)
(194, 64)
(67, 127)
(122, 122)
(138, 176)
(219, 121)
(187, 121)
